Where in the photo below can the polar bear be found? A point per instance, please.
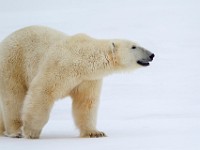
(39, 65)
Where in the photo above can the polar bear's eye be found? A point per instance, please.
(133, 47)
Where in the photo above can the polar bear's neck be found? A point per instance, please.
(102, 64)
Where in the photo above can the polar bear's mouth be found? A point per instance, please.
(143, 62)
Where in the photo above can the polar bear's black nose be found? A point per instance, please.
(152, 56)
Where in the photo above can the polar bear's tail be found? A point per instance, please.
(1, 122)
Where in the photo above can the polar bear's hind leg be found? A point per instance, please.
(1, 122)
(12, 116)
(11, 106)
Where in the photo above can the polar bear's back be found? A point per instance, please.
(23, 50)
(31, 39)
(33, 35)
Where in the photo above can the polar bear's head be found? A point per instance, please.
(130, 55)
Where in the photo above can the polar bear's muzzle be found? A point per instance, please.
(145, 62)
(144, 56)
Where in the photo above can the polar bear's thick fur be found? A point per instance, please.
(39, 65)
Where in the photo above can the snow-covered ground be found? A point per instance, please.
(154, 108)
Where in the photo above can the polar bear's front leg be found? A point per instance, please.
(85, 105)
(35, 113)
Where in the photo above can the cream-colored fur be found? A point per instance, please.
(1, 121)
(39, 65)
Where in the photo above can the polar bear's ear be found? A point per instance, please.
(114, 47)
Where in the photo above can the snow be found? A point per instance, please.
(154, 108)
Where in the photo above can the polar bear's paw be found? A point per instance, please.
(13, 135)
(30, 133)
(93, 134)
